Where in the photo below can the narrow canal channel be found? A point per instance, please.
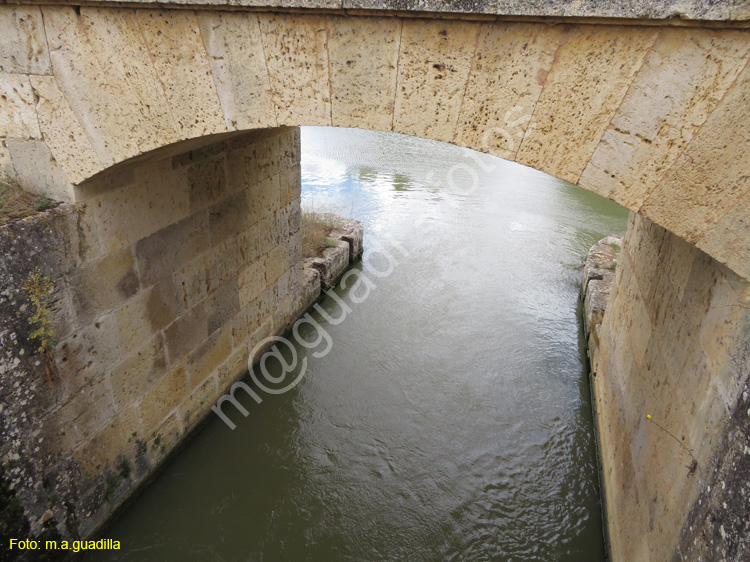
(451, 419)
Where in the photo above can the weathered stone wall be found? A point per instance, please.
(675, 345)
(164, 276)
(651, 116)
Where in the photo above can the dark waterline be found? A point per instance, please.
(451, 419)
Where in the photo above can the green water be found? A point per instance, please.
(451, 418)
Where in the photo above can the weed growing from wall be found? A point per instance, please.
(39, 288)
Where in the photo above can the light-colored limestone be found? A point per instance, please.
(590, 75)
(363, 58)
(729, 239)
(66, 139)
(625, 110)
(96, 100)
(23, 44)
(160, 398)
(297, 61)
(681, 82)
(433, 69)
(36, 168)
(18, 111)
(671, 346)
(509, 70)
(235, 50)
(710, 178)
(116, 41)
(176, 48)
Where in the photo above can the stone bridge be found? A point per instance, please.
(144, 113)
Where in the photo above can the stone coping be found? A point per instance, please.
(671, 11)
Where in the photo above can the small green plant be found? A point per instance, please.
(611, 267)
(124, 468)
(112, 483)
(39, 288)
(16, 203)
(43, 203)
(615, 246)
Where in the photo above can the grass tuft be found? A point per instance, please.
(316, 230)
(15, 203)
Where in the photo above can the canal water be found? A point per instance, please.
(451, 419)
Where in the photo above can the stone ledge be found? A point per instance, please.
(598, 279)
(335, 261)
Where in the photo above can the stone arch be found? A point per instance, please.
(650, 116)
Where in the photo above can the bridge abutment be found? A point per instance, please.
(675, 346)
(164, 279)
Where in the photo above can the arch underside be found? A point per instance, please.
(654, 118)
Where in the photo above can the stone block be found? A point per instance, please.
(268, 156)
(249, 318)
(228, 218)
(207, 182)
(226, 260)
(222, 305)
(87, 87)
(37, 169)
(207, 358)
(235, 52)
(198, 404)
(297, 64)
(156, 199)
(117, 42)
(18, 112)
(289, 149)
(276, 262)
(83, 414)
(595, 303)
(333, 263)
(141, 316)
(186, 333)
(265, 230)
(434, 64)
(309, 292)
(248, 246)
(133, 375)
(163, 397)
(263, 199)
(671, 96)
(290, 185)
(364, 61)
(728, 240)
(163, 438)
(709, 178)
(172, 247)
(233, 368)
(23, 42)
(294, 216)
(116, 440)
(251, 282)
(195, 280)
(502, 91)
(256, 343)
(104, 284)
(174, 42)
(591, 74)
